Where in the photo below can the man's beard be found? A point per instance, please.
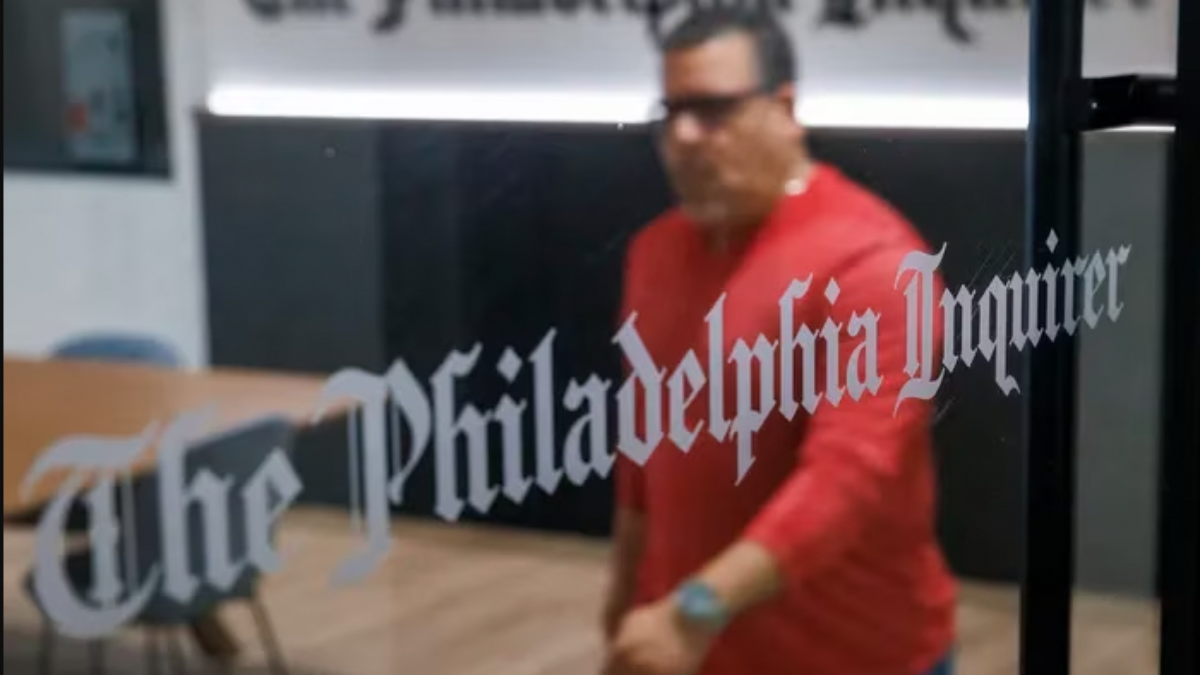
(703, 198)
(709, 211)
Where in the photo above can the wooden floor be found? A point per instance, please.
(462, 601)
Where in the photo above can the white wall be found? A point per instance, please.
(97, 253)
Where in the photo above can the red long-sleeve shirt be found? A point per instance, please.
(843, 497)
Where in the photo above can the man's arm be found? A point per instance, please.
(628, 542)
(629, 521)
(851, 460)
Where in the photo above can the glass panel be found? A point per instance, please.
(343, 394)
(1124, 212)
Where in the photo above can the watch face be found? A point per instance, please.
(698, 603)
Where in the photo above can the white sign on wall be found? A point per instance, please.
(97, 62)
(352, 57)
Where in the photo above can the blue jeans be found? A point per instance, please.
(946, 667)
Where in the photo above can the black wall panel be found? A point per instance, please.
(292, 244)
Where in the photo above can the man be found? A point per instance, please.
(822, 559)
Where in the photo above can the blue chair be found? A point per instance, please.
(120, 348)
(235, 455)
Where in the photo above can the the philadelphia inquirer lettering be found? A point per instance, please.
(743, 386)
(125, 578)
(388, 16)
(955, 15)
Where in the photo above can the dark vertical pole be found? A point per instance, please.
(1179, 438)
(1057, 110)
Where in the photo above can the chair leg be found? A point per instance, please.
(97, 649)
(46, 649)
(175, 653)
(266, 633)
(153, 657)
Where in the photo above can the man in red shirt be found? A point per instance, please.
(800, 541)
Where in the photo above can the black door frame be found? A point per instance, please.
(1052, 206)
(1062, 105)
(1179, 435)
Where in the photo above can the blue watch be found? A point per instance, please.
(698, 604)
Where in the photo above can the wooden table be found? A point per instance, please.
(46, 401)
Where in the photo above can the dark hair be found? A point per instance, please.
(776, 58)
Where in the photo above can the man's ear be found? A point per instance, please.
(786, 95)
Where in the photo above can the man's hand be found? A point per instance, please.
(653, 640)
(616, 606)
(629, 534)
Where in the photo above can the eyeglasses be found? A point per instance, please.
(709, 111)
